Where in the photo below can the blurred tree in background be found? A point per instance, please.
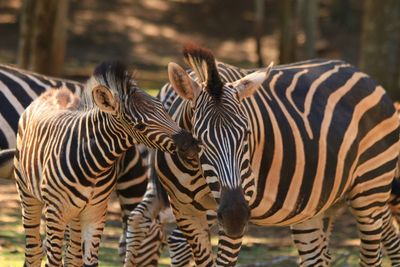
(380, 43)
(42, 37)
(148, 34)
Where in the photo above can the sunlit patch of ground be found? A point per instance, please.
(268, 246)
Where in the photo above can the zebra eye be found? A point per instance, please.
(140, 127)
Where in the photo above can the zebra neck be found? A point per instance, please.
(104, 137)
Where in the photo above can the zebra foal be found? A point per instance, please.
(65, 157)
(281, 146)
(18, 88)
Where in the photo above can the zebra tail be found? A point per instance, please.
(159, 189)
(7, 163)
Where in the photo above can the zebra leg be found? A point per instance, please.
(73, 252)
(228, 249)
(55, 228)
(149, 250)
(370, 212)
(122, 239)
(138, 225)
(390, 238)
(31, 215)
(311, 239)
(144, 238)
(179, 249)
(195, 229)
(92, 222)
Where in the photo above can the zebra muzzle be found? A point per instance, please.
(233, 212)
(187, 146)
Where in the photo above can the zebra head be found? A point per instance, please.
(140, 116)
(221, 125)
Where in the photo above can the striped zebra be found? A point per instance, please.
(144, 226)
(65, 160)
(281, 146)
(18, 88)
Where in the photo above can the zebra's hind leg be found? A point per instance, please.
(31, 215)
(73, 252)
(311, 239)
(149, 250)
(390, 238)
(370, 211)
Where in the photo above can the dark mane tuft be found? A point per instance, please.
(200, 55)
(112, 73)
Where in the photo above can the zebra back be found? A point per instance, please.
(18, 88)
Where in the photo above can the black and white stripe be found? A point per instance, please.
(319, 132)
(66, 157)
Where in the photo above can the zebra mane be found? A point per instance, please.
(202, 61)
(112, 74)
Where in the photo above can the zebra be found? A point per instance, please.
(18, 88)
(144, 226)
(65, 158)
(272, 141)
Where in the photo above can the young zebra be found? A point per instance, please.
(281, 147)
(18, 89)
(66, 158)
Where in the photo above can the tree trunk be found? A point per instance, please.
(380, 43)
(310, 27)
(25, 34)
(258, 26)
(288, 22)
(43, 36)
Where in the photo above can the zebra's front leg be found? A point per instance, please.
(311, 239)
(179, 249)
(73, 252)
(31, 213)
(55, 229)
(92, 221)
(228, 249)
(195, 229)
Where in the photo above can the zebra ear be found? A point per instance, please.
(104, 99)
(182, 83)
(247, 85)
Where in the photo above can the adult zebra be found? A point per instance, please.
(18, 88)
(144, 227)
(270, 154)
(66, 157)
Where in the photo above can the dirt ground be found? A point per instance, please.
(262, 246)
